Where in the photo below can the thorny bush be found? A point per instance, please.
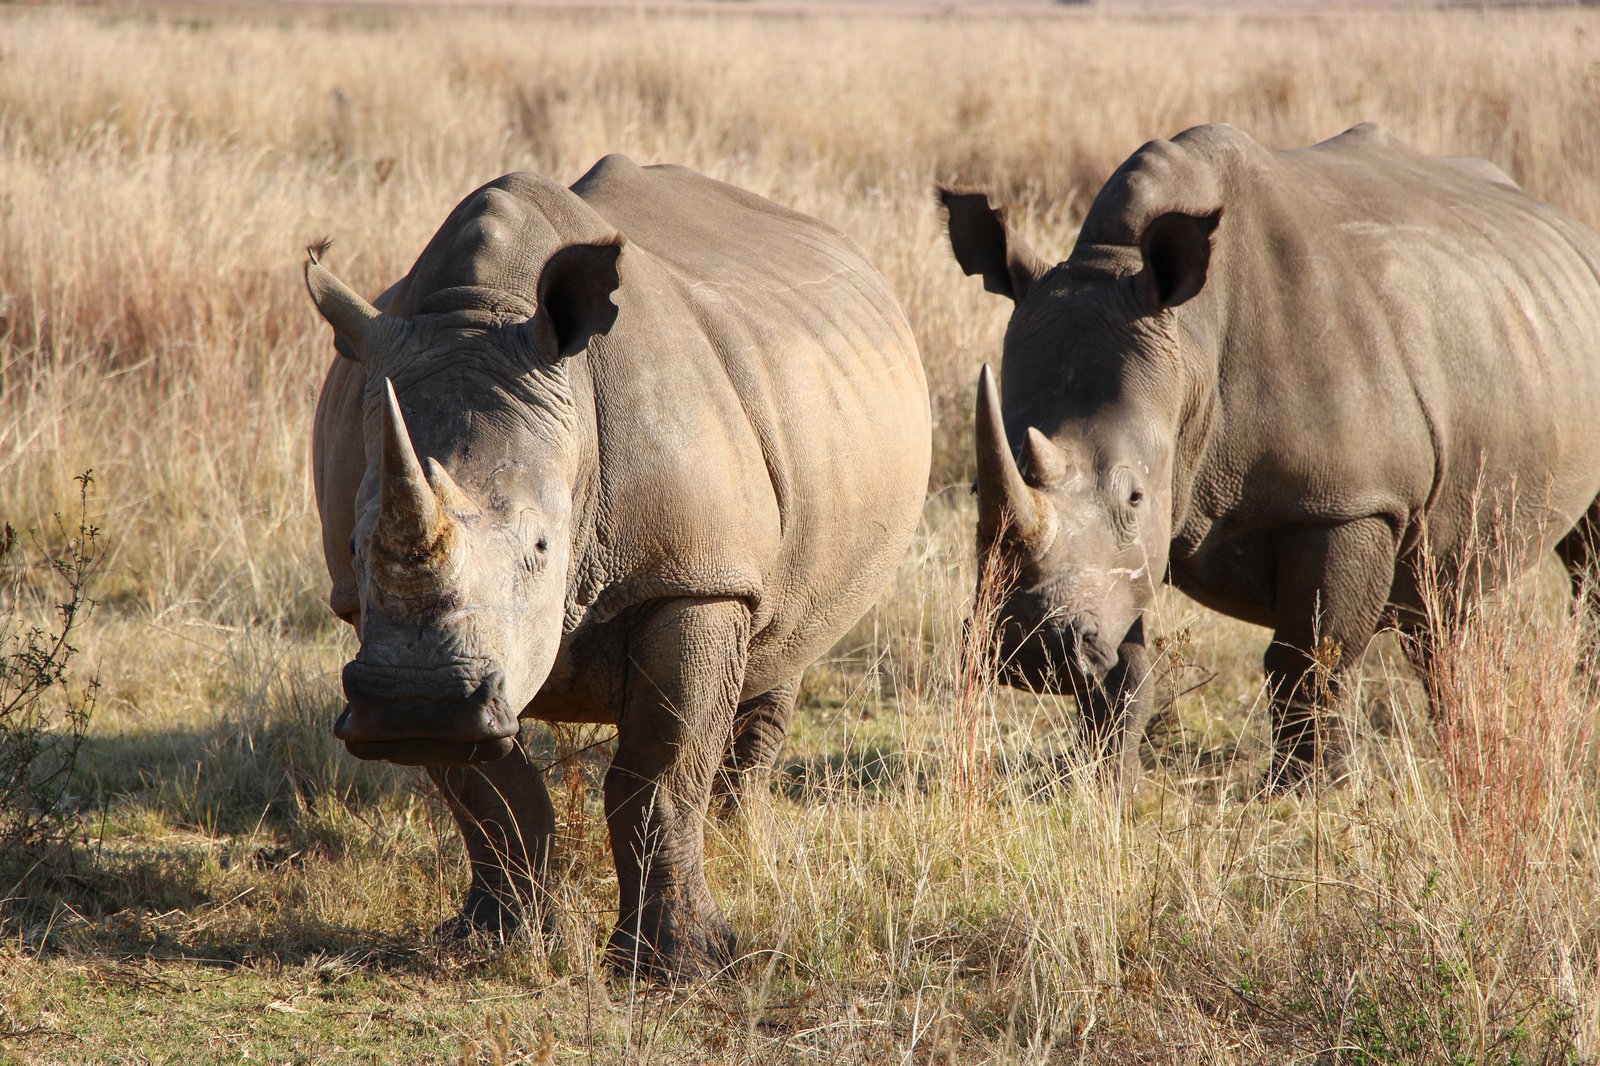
(43, 714)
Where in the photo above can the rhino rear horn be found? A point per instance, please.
(1005, 502)
(360, 325)
(411, 523)
(449, 494)
(1043, 461)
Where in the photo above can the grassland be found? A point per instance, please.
(931, 882)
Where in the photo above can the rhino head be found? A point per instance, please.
(1076, 473)
(465, 522)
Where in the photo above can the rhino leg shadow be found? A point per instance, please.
(506, 820)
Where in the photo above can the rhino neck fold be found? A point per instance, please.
(589, 563)
(1196, 327)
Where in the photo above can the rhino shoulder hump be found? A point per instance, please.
(612, 167)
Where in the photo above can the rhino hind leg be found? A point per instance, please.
(506, 820)
(1331, 587)
(759, 729)
(686, 669)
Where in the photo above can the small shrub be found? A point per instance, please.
(43, 717)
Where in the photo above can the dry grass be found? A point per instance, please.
(932, 881)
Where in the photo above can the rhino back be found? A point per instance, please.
(1393, 330)
(771, 378)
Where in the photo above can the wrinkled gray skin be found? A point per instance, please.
(1282, 380)
(636, 452)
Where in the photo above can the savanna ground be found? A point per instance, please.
(931, 881)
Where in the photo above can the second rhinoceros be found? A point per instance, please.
(636, 451)
(1300, 384)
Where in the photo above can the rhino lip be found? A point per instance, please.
(1053, 679)
(1046, 663)
(425, 729)
(422, 751)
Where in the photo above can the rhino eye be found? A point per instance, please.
(1135, 497)
(533, 560)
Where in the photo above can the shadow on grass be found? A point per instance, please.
(230, 845)
(178, 903)
(209, 845)
(204, 844)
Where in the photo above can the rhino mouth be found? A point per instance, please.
(1051, 659)
(425, 751)
(420, 726)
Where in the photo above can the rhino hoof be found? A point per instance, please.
(1303, 775)
(735, 791)
(484, 915)
(675, 957)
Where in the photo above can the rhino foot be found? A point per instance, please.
(484, 914)
(734, 791)
(1296, 774)
(671, 955)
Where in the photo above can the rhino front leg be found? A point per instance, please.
(1332, 584)
(686, 668)
(1114, 713)
(506, 820)
(759, 729)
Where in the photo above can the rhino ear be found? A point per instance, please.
(359, 329)
(1177, 252)
(575, 290)
(985, 245)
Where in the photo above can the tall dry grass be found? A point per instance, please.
(934, 881)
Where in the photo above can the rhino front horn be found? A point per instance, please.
(412, 526)
(1005, 502)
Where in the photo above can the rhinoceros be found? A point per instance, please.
(636, 451)
(1297, 384)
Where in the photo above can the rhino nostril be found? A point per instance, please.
(490, 690)
(355, 686)
(364, 686)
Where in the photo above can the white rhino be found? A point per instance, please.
(1284, 380)
(634, 452)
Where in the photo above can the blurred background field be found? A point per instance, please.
(932, 881)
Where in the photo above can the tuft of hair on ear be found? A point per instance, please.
(318, 248)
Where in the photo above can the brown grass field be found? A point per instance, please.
(930, 883)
